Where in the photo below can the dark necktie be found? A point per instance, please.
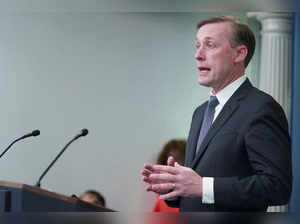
(207, 120)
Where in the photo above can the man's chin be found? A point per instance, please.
(203, 83)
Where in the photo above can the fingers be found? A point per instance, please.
(169, 195)
(162, 178)
(158, 169)
(159, 178)
(177, 164)
(145, 172)
(146, 180)
(171, 161)
(164, 169)
(148, 167)
(161, 188)
(172, 181)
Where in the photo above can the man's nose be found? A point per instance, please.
(200, 54)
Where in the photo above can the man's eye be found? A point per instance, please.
(210, 45)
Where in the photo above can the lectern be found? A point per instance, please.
(16, 197)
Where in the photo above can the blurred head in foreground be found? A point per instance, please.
(93, 196)
(175, 148)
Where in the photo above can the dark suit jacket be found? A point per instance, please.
(247, 151)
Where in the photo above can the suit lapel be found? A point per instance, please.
(228, 110)
(225, 114)
(194, 135)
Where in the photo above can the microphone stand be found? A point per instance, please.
(38, 184)
(33, 133)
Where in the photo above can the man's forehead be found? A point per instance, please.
(214, 30)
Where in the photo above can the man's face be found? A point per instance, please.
(215, 56)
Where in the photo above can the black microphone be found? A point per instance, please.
(82, 133)
(33, 133)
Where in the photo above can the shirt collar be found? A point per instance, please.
(224, 95)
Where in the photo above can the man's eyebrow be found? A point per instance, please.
(206, 38)
(209, 38)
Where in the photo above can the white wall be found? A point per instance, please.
(130, 78)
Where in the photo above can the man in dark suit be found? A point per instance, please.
(238, 155)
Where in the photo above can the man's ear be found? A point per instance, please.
(241, 53)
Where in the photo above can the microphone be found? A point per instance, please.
(33, 133)
(82, 133)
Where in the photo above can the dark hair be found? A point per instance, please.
(99, 197)
(175, 148)
(241, 33)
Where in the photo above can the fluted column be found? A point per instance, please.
(275, 60)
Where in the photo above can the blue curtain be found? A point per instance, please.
(295, 116)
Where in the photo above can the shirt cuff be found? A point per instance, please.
(208, 190)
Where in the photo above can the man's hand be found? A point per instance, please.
(172, 181)
(148, 169)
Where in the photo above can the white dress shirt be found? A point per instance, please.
(223, 96)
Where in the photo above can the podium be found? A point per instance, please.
(16, 197)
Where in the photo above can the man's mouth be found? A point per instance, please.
(203, 69)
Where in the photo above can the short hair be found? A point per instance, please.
(175, 148)
(99, 197)
(241, 33)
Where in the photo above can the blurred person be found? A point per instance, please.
(93, 196)
(176, 149)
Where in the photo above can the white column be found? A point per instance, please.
(275, 60)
